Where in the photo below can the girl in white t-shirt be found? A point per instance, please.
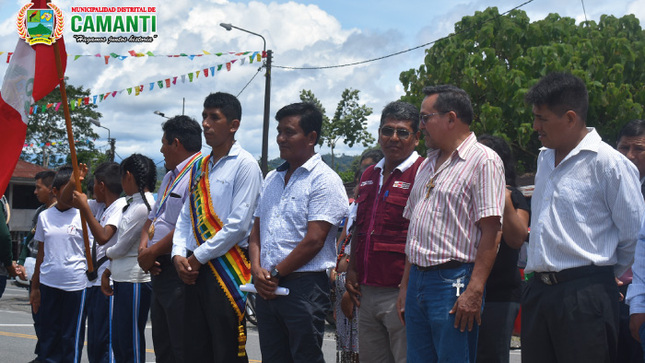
(59, 281)
(131, 284)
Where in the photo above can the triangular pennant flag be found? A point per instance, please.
(76, 57)
(57, 106)
(167, 82)
(132, 53)
(136, 91)
(242, 61)
(212, 71)
(183, 54)
(191, 57)
(35, 109)
(107, 57)
(206, 72)
(219, 67)
(152, 85)
(259, 57)
(50, 105)
(130, 90)
(43, 108)
(122, 57)
(94, 100)
(86, 100)
(114, 55)
(228, 66)
(174, 80)
(114, 93)
(9, 56)
(31, 110)
(160, 83)
(205, 52)
(219, 54)
(97, 55)
(190, 76)
(183, 78)
(150, 54)
(197, 74)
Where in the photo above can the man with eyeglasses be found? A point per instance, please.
(455, 210)
(380, 234)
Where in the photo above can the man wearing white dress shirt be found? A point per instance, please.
(292, 243)
(587, 211)
(180, 145)
(211, 238)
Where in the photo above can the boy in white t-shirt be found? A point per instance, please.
(102, 215)
(59, 281)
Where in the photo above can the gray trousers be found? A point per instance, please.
(381, 337)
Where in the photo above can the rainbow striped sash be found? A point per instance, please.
(232, 269)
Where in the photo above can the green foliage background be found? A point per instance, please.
(497, 58)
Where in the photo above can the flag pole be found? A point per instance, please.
(72, 149)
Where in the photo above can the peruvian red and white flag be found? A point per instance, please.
(31, 75)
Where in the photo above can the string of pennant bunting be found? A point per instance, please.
(134, 54)
(54, 143)
(163, 83)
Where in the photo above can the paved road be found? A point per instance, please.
(17, 338)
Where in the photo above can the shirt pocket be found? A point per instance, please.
(575, 198)
(172, 209)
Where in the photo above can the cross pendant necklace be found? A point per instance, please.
(430, 186)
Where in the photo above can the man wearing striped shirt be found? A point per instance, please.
(455, 210)
(587, 210)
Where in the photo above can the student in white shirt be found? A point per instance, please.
(131, 284)
(59, 281)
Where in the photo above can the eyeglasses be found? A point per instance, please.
(387, 131)
(424, 118)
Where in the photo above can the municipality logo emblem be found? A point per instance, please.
(40, 26)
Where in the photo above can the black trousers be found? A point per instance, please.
(572, 321)
(211, 333)
(291, 327)
(166, 310)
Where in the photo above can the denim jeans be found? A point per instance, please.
(430, 329)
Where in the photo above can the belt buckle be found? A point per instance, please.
(548, 278)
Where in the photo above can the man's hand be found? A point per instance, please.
(186, 273)
(34, 299)
(264, 284)
(400, 303)
(347, 305)
(352, 286)
(21, 272)
(147, 259)
(635, 323)
(467, 310)
(106, 289)
(78, 199)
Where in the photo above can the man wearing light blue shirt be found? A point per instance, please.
(586, 212)
(211, 238)
(292, 243)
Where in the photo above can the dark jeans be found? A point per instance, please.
(430, 328)
(629, 349)
(496, 330)
(291, 327)
(168, 294)
(572, 321)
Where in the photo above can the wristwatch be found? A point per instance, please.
(275, 273)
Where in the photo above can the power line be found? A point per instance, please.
(402, 51)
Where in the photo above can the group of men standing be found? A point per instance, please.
(425, 239)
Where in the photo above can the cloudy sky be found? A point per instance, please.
(300, 33)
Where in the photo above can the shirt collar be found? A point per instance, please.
(308, 165)
(461, 151)
(181, 165)
(234, 151)
(405, 164)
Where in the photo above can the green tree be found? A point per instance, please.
(48, 133)
(349, 124)
(497, 58)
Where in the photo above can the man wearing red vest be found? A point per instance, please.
(378, 248)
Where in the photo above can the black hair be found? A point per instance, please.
(560, 92)
(374, 154)
(228, 105)
(144, 171)
(310, 117)
(109, 173)
(46, 176)
(62, 176)
(633, 128)
(401, 111)
(452, 98)
(186, 130)
(502, 149)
